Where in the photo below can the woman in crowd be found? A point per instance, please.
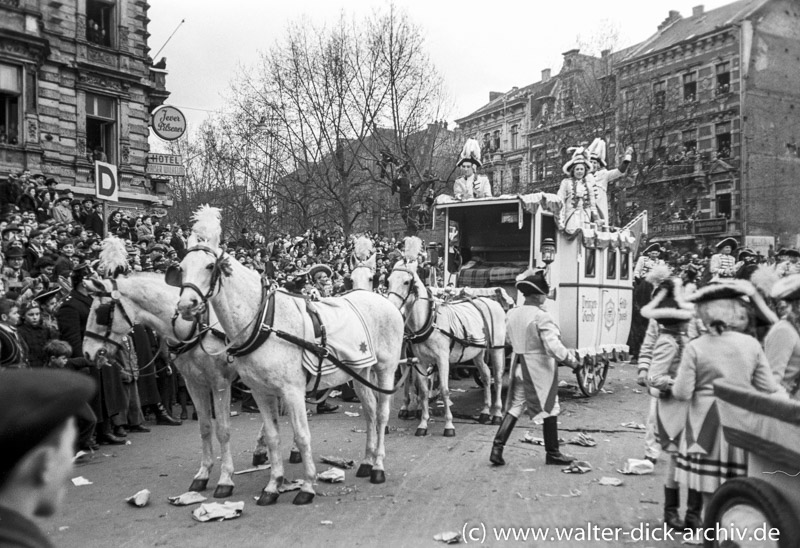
(782, 344)
(34, 333)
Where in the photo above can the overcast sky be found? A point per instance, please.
(479, 47)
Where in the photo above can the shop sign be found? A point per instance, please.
(675, 228)
(168, 122)
(711, 226)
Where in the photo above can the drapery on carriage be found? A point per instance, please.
(489, 241)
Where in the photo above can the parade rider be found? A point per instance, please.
(536, 342)
(470, 184)
(577, 193)
(723, 264)
(604, 176)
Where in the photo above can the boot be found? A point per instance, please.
(162, 417)
(694, 509)
(554, 456)
(671, 504)
(500, 439)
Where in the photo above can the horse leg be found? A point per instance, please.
(202, 402)
(260, 452)
(385, 378)
(222, 404)
(268, 405)
(368, 407)
(498, 364)
(294, 398)
(444, 379)
(422, 398)
(404, 409)
(483, 369)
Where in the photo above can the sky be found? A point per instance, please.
(478, 47)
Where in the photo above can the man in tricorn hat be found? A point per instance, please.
(722, 263)
(788, 262)
(650, 257)
(536, 342)
(37, 434)
(470, 184)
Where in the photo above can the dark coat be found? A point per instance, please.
(35, 337)
(143, 343)
(178, 245)
(93, 221)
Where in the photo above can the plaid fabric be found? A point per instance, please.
(485, 276)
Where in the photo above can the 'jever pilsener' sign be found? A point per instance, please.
(167, 122)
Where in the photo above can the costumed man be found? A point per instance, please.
(536, 342)
(789, 263)
(577, 193)
(604, 176)
(642, 293)
(321, 287)
(722, 264)
(37, 434)
(470, 184)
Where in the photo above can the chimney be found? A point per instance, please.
(494, 95)
(671, 18)
(697, 11)
(546, 75)
(605, 53)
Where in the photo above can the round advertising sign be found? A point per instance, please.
(167, 122)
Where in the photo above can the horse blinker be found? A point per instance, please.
(174, 275)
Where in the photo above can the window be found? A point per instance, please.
(611, 268)
(590, 263)
(689, 139)
(502, 183)
(659, 152)
(723, 78)
(539, 166)
(690, 87)
(10, 102)
(515, 179)
(724, 204)
(487, 142)
(496, 140)
(624, 265)
(659, 94)
(101, 118)
(514, 134)
(723, 132)
(100, 21)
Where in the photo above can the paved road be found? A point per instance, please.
(434, 484)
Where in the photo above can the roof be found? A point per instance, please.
(505, 98)
(686, 28)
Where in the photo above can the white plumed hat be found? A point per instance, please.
(470, 153)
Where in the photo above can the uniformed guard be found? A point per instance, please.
(650, 257)
(536, 342)
(471, 185)
(723, 264)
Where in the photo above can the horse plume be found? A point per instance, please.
(412, 248)
(764, 278)
(363, 248)
(114, 257)
(207, 224)
(658, 274)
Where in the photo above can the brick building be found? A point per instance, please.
(77, 84)
(709, 102)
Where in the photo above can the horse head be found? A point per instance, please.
(108, 319)
(403, 285)
(362, 273)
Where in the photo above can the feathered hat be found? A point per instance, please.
(532, 282)
(668, 306)
(470, 153)
(114, 257)
(787, 288)
(597, 151)
(733, 242)
(579, 156)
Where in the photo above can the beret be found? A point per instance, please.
(35, 403)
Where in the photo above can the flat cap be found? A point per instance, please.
(35, 403)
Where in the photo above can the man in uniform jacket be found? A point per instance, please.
(92, 221)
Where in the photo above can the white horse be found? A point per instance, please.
(144, 298)
(436, 336)
(270, 356)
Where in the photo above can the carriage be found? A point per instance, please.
(490, 241)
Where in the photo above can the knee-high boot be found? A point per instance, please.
(500, 439)
(554, 456)
(694, 510)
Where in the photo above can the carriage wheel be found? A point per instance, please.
(748, 504)
(592, 375)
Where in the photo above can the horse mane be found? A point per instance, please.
(114, 257)
(363, 248)
(207, 225)
(412, 248)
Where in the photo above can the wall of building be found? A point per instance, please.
(772, 122)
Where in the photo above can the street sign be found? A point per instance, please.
(106, 182)
(162, 169)
(165, 159)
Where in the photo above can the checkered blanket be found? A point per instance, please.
(485, 276)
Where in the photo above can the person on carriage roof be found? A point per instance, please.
(536, 342)
(603, 176)
(577, 193)
(470, 184)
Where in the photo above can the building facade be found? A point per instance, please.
(709, 103)
(77, 85)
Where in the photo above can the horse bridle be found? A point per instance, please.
(174, 274)
(412, 288)
(104, 316)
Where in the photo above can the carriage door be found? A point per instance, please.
(591, 278)
(609, 297)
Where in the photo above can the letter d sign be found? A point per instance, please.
(105, 177)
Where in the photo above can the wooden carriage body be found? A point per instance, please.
(591, 276)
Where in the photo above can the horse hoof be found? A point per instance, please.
(421, 432)
(497, 421)
(295, 457)
(260, 458)
(364, 470)
(418, 414)
(449, 432)
(402, 414)
(303, 498)
(199, 485)
(377, 476)
(223, 491)
(267, 498)
(484, 418)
